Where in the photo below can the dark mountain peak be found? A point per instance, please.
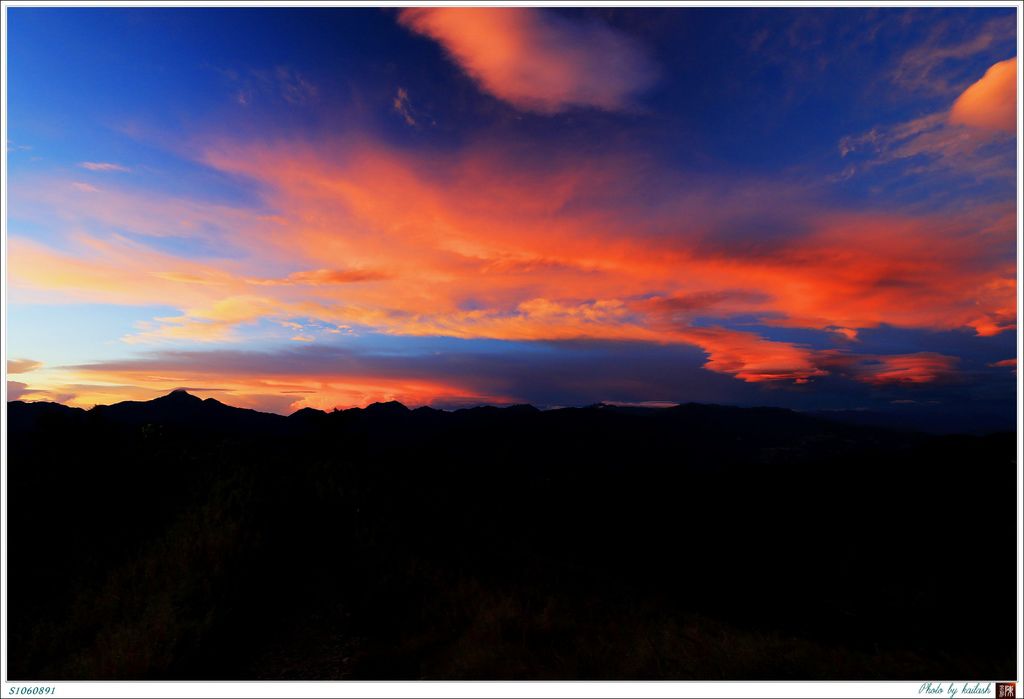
(180, 396)
(307, 414)
(182, 409)
(25, 416)
(521, 408)
(392, 407)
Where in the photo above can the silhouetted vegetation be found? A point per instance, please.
(181, 538)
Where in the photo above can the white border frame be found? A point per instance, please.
(512, 689)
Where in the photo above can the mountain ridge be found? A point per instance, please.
(180, 402)
(180, 407)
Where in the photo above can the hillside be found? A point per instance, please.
(184, 538)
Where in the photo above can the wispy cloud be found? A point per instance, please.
(930, 144)
(970, 139)
(103, 167)
(402, 105)
(939, 64)
(278, 83)
(294, 87)
(323, 277)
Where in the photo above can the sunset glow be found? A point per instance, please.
(459, 206)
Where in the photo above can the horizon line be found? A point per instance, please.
(643, 405)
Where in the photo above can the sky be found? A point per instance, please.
(280, 208)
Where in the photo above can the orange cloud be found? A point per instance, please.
(318, 277)
(536, 60)
(215, 323)
(991, 102)
(752, 358)
(484, 244)
(458, 230)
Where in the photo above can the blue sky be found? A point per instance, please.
(807, 207)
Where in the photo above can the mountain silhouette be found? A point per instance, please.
(392, 407)
(182, 409)
(182, 538)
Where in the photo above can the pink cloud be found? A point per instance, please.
(536, 60)
(22, 366)
(16, 389)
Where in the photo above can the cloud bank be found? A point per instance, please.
(359, 237)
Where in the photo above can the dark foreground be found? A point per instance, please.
(185, 539)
